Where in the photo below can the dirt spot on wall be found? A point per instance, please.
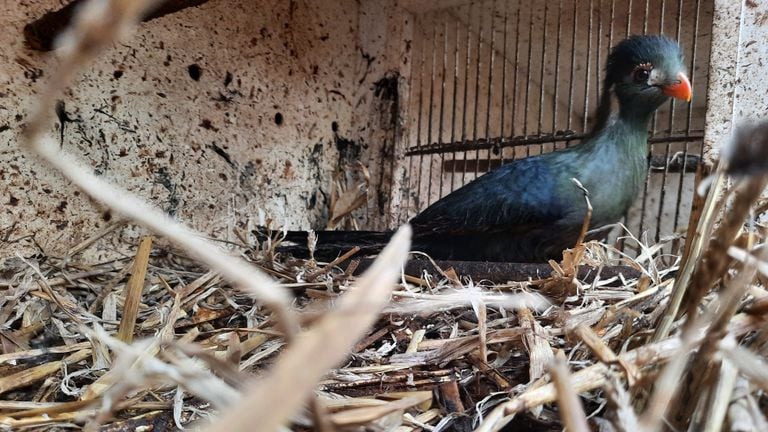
(163, 178)
(195, 71)
(288, 172)
(349, 150)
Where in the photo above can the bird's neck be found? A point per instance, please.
(633, 116)
(626, 131)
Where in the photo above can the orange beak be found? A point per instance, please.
(680, 89)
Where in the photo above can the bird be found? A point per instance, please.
(530, 210)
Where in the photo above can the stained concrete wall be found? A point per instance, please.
(386, 36)
(738, 89)
(213, 113)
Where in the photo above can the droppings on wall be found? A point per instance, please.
(214, 113)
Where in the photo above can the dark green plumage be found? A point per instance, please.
(530, 209)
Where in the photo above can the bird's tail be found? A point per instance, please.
(331, 244)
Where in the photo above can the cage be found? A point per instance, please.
(494, 81)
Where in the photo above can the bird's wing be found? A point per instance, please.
(520, 196)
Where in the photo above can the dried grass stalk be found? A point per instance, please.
(620, 410)
(744, 413)
(713, 415)
(345, 199)
(604, 352)
(703, 370)
(695, 250)
(744, 159)
(747, 362)
(133, 289)
(537, 343)
(275, 397)
(571, 410)
(38, 373)
(594, 376)
(362, 416)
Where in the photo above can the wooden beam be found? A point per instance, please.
(501, 272)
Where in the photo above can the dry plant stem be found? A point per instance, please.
(701, 236)
(620, 407)
(136, 362)
(59, 280)
(488, 370)
(420, 422)
(50, 408)
(594, 376)
(596, 344)
(363, 416)
(701, 369)
(427, 379)
(322, 422)
(571, 411)
(451, 397)
(133, 289)
(698, 208)
(416, 339)
(97, 26)
(720, 400)
(715, 261)
(270, 402)
(371, 339)
(40, 421)
(604, 352)
(313, 277)
(744, 414)
(64, 304)
(704, 365)
(536, 343)
(30, 354)
(667, 387)
(752, 365)
(38, 373)
(481, 312)
(587, 215)
(85, 244)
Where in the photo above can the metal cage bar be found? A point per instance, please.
(495, 80)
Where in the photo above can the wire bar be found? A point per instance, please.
(496, 80)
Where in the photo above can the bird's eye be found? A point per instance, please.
(641, 75)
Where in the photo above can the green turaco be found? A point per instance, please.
(530, 209)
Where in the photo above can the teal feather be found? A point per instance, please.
(530, 209)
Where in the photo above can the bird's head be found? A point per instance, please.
(645, 71)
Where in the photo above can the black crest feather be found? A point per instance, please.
(637, 50)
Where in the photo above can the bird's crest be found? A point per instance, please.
(637, 50)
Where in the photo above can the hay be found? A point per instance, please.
(263, 341)
(459, 356)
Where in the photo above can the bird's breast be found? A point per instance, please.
(614, 179)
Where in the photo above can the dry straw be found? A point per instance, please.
(159, 340)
